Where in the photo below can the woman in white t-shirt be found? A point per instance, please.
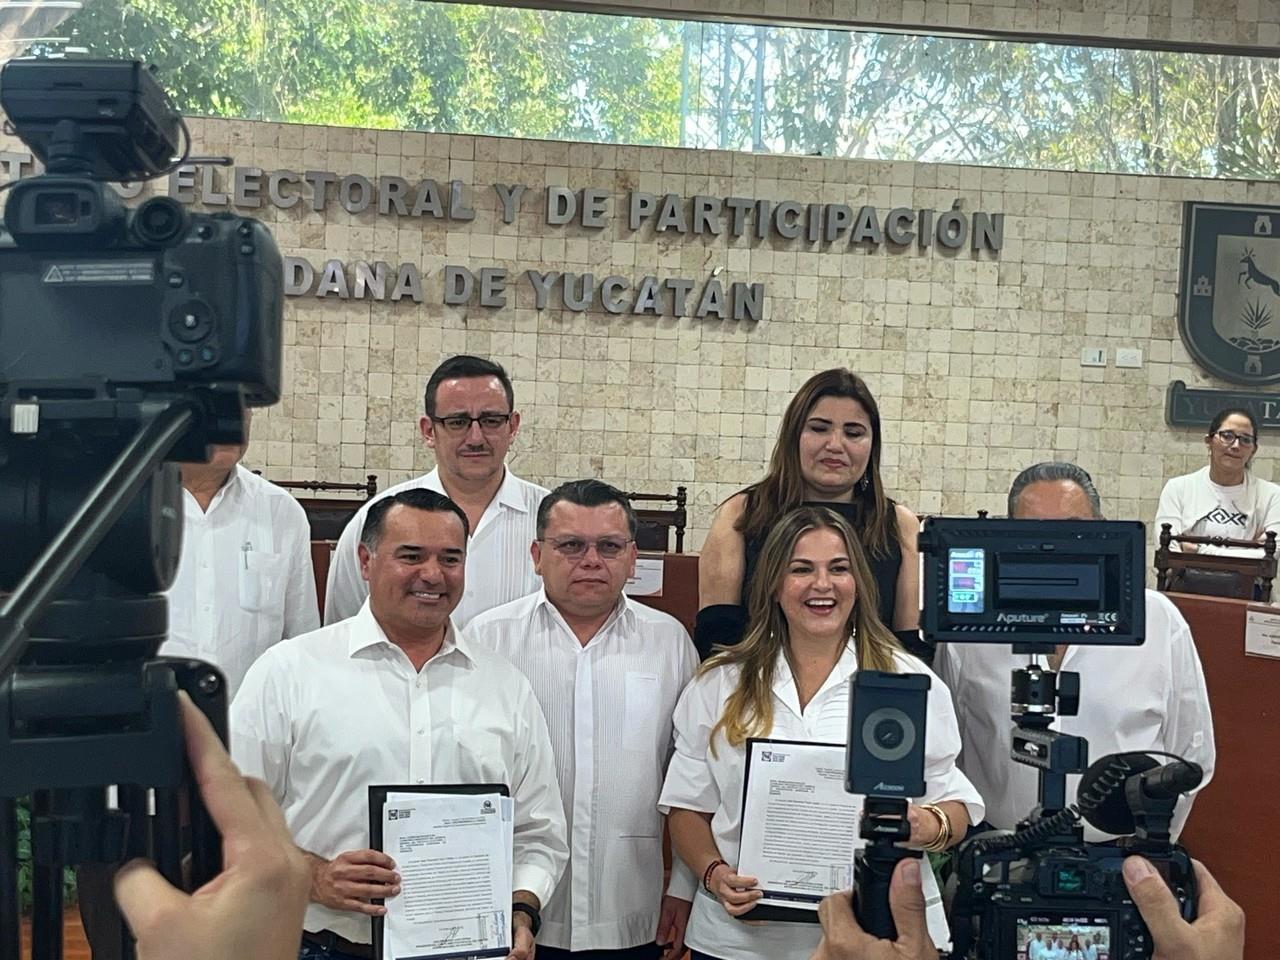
(812, 624)
(1222, 499)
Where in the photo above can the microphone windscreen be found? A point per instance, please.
(1100, 794)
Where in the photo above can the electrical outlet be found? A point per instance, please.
(1093, 357)
(1128, 357)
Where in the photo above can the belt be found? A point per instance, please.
(328, 940)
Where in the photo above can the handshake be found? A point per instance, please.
(1216, 934)
(253, 910)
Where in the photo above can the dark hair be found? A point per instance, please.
(782, 488)
(1055, 471)
(465, 366)
(419, 498)
(1222, 415)
(586, 493)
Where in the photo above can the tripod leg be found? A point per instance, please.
(9, 929)
(46, 883)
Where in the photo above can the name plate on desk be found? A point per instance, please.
(1262, 632)
(647, 581)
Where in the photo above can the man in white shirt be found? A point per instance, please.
(244, 579)
(608, 673)
(1090, 949)
(395, 696)
(1037, 947)
(470, 422)
(1150, 697)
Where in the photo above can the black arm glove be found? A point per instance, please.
(722, 623)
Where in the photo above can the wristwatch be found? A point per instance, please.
(530, 911)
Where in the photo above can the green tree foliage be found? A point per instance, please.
(410, 64)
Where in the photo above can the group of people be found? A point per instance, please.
(477, 630)
(1064, 946)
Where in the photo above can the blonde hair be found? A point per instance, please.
(749, 709)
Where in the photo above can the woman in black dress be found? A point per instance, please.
(828, 452)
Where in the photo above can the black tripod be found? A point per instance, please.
(883, 825)
(83, 704)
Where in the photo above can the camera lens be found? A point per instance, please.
(159, 220)
(889, 734)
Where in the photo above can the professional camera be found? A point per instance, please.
(126, 339)
(1035, 584)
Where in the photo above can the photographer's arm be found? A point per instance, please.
(694, 843)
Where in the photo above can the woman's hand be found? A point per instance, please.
(736, 893)
(925, 827)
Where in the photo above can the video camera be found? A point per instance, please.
(1035, 584)
(127, 338)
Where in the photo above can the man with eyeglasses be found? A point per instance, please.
(469, 422)
(1222, 499)
(607, 672)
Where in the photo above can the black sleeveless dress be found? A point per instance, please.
(884, 570)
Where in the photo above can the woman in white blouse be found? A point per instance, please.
(812, 624)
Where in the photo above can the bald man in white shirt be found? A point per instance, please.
(1146, 698)
(608, 673)
(469, 423)
(391, 696)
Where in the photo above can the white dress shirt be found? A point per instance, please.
(244, 580)
(499, 568)
(322, 717)
(608, 707)
(1151, 697)
(707, 782)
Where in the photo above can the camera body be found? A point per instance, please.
(167, 300)
(1075, 890)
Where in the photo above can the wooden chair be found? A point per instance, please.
(656, 524)
(328, 515)
(1218, 575)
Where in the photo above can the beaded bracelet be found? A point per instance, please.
(706, 874)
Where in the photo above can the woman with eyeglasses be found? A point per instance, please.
(813, 624)
(1222, 499)
(828, 452)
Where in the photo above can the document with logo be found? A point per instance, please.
(800, 833)
(799, 827)
(454, 855)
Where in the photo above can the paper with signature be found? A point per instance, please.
(454, 856)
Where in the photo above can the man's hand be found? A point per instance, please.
(522, 945)
(1217, 932)
(736, 893)
(671, 926)
(253, 909)
(351, 879)
(843, 939)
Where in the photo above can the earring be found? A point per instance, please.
(865, 482)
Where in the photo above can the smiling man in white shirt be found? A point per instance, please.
(470, 422)
(608, 673)
(1150, 697)
(394, 696)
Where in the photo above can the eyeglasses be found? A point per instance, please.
(461, 423)
(575, 548)
(1230, 436)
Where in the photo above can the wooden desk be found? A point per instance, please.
(679, 595)
(1231, 827)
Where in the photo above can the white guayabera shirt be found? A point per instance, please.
(324, 716)
(1151, 697)
(608, 707)
(244, 580)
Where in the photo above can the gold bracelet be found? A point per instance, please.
(943, 839)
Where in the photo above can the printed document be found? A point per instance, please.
(454, 855)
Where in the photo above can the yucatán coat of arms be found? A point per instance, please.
(1229, 292)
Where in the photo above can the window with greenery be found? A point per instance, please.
(410, 64)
